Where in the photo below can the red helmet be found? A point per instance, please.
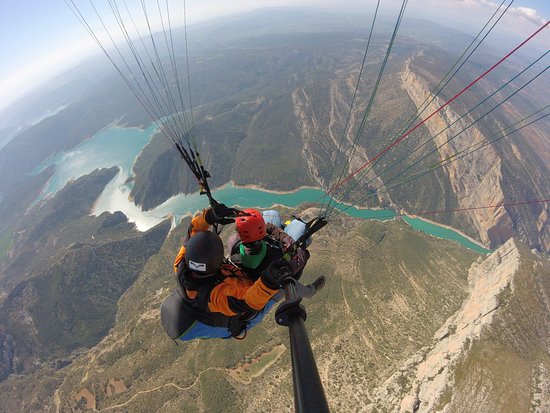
(250, 227)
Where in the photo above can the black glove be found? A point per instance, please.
(277, 272)
(219, 214)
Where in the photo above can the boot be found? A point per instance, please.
(308, 291)
(319, 283)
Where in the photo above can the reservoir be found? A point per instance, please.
(120, 146)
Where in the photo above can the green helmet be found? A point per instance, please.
(204, 253)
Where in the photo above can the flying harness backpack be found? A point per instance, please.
(180, 313)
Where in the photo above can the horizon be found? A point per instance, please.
(21, 78)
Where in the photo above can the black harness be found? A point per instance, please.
(179, 312)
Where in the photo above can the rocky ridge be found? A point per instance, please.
(436, 376)
(476, 180)
(489, 176)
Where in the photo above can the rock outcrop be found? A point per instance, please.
(500, 173)
(476, 180)
(492, 354)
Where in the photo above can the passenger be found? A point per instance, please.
(256, 244)
(214, 298)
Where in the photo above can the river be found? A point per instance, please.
(120, 146)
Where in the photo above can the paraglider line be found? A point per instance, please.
(449, 160)
(536, 201)
(352, 105)
(373, 93)
(438, 110)
(436, 91)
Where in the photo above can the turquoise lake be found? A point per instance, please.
(110, 147)
(119, 146)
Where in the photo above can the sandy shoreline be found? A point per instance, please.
(459, 232)
(259, 188)
(398, 215)
(231, 184)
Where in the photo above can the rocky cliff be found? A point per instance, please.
(476, 180)
(492, 354)
(484, 177)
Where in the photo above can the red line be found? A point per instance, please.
(537, 201)
(447, 103)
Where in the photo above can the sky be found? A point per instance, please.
(42, 38)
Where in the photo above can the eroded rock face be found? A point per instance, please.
(491, 353)
(493, 176)
(476, 180)
(320, 130)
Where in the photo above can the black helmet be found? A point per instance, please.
(204, 253)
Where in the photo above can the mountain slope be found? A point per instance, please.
(377, 309)
(66, 274)
(492, 354)
(283, 124)
(402, 325)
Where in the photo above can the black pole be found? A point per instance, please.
(309, 395)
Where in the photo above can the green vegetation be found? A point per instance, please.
(219, 395)
(71, 271)
(76, 299)
(264, 106)
(6, 243)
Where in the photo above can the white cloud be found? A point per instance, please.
(529, 14)
(522, 13)
(518, 21)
